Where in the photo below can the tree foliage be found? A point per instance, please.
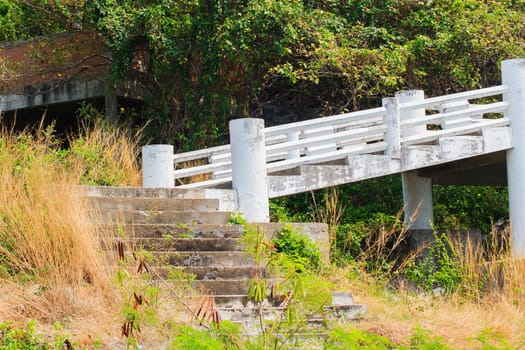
(200, 63)
(26, 19)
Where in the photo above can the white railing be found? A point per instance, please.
(401, 131)
(383, 130)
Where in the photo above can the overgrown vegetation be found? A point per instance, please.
(201, 63)
(42, 278)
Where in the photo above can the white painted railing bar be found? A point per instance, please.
(201, 169)
(270, 156)
(278, 135)
(326, 157)
(320, 140)
(200, 154)
(474, 127)
(323, 121)
(472, 110)
(359, 124)
(435, 102)
(207, 183)
(364, 139)
(349, 131)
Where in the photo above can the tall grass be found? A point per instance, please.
(330, 212)
(105, 154)
(48, 244)
(488, 270)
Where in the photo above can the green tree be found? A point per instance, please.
(202, 63)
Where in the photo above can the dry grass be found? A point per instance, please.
(396, 313)
(44, 227)
(329, 212)
(490, 297)
(51, 268)
(107, 155)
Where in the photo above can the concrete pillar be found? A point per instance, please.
(417, 191)
(513, 75)
(111, 105)
(249, 168)
(157, 166)
(417, 198)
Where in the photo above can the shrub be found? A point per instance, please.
(298, 246)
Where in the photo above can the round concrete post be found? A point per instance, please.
(417, 191)
(157, 166)
(412, 96)
(513, 76)
(249, 168)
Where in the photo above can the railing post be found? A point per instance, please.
(157, 166)
(293, 136)
(392, 136)
(513, 76)
(249, 177)
(412, 96)
(417, 190)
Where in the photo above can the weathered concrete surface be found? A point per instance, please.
(163, 217)
(185, 244)
(204, 258)
(210, 272)
(413, 157)
(227, 197)
(177, 230)
(153, 204)
(157, 166)
(75, 90)
(249, 178)
(212, 253)
(513, 75)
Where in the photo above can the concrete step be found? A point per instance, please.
(211, 272)
(163, 217)
(248, 314)
(175, 230)
(229, 286)
(153, 204)
(185, 258)
(227, 197)
(179, 244)
(204, 258)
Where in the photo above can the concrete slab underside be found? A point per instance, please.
(485, 170)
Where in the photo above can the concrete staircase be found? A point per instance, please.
(185, 230)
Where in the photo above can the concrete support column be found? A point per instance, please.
(249, 168)
(111, 105)
(157, 166)
(513, 75)
(417, 191)
(417, 198)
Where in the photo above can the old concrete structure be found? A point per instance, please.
(50, 76)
